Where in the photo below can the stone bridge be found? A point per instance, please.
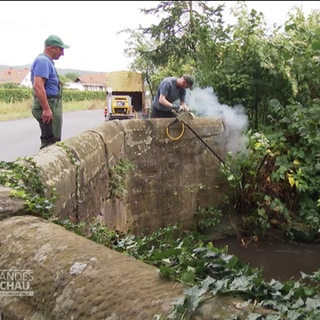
(133, 175)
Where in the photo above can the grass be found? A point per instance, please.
(19, 110)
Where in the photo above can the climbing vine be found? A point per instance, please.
(118, 174)
(70, 153)
(24, 177)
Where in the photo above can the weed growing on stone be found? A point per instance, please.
(24, 177)
(118, 174)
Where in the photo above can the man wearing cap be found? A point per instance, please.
(171, 95)
(47, 91)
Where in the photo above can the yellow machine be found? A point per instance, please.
(118, 107)
(125, 95)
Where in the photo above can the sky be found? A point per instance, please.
(91, 29)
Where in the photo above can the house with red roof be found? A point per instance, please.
(18, 76)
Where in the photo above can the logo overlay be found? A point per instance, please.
(16, 283)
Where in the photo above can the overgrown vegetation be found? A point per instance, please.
(95, 231)
(118, 174)
(25, 179)
(188, 257)
(275, 184)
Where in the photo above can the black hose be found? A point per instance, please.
(204, 143)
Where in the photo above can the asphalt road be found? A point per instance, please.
(21, 138)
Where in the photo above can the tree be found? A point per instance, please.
(171, 46)
(245, 63)
(71, 76)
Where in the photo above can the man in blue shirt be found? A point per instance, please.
(47, 91)
(171, 95)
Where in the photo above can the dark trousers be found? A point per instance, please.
(50, 132)
(156, 113)
(47, 136)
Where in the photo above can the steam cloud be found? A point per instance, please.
(205, 103)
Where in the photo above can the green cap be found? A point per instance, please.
(189, 79)
(55, 41)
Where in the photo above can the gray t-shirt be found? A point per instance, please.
(168, 88)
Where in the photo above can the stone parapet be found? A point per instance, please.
(71, 277)
(162, 187)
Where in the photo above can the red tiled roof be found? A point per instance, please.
(13, 75)
(98, 78)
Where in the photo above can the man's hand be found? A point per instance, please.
(176, 107)
(185, 108)
(46, 115)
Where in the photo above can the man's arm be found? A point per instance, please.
(40, 92)
(163, 101)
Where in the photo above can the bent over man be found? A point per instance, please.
(171, 95)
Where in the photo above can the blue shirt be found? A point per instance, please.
(43, 66)
(168, 88)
